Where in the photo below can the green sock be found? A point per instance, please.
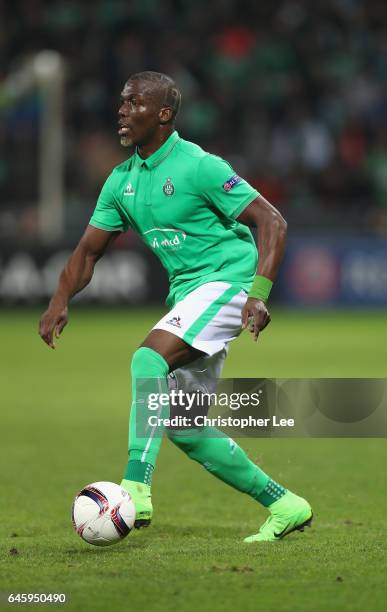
(149, 375)
(140, 471)
(223, 458)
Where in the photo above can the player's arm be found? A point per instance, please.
(76, 274)
(271, 237)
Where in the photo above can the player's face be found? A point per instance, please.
(139, 114)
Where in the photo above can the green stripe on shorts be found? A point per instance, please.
(210, 312)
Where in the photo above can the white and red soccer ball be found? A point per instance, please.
(103, 513)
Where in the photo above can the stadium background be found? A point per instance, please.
(294, 95)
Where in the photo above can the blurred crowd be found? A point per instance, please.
(293, 93)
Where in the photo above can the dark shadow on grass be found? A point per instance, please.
(90, 550)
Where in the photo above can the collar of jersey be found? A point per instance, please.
(158, 156)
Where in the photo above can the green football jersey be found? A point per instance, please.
(183, 202)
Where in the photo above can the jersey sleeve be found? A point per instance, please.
(107, 215)
(218, 184)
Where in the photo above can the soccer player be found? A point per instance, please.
(192, 210)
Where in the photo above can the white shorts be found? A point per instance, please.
(208, 318)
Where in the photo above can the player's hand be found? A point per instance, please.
(52, 324)
(255, 316)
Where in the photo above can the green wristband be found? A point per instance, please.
(261, 288)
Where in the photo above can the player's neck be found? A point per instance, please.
(146, 150)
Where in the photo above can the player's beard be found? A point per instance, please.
(126, 141)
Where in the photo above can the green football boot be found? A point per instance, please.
(142, 499)
(289, 513)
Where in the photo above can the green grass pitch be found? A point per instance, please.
(64, 424)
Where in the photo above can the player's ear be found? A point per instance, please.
(165, 115)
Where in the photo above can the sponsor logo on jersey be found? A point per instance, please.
(129, 191)
(166, 238)
(168, 188)
(175, 321)
(232, 181)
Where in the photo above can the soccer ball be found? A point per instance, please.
(103, 513)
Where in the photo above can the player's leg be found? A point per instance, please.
(218, 453)
(223, 457)
(167, 347)
(149, 370)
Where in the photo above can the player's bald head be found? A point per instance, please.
(161, 86)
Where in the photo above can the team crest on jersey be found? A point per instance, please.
(232, 181)
(129, 191)
(168, 188)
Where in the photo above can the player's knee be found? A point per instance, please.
(147, 363)
(188, 442)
